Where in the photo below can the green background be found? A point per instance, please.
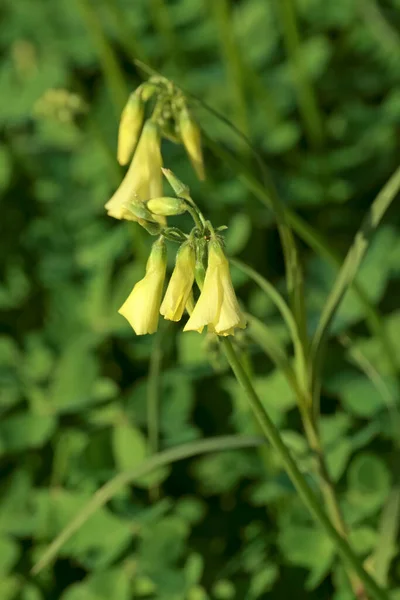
(315, 85)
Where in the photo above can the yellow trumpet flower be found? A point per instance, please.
(141, 309)
(180, 284)
(217, 306)
(143, 179)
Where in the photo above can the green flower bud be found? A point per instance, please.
(139, 210)
(166, 206)
(180, 189)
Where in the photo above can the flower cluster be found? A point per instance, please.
(141, 137)
(217, 307)
(140, 198)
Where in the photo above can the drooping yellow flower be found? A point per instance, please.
(141, 309)
(129, 127)
(180, 284)
(191, 137)
(143, 179)
(217, 306)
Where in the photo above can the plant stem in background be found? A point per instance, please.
(108, 60)
(153, 401)
(308, 104)
(348, 272)
(165, 28)
(305, 492)
(132, 46)
(221, 11)
(109, 489)
(153, 393)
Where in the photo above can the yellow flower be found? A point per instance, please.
(141, 309)
(143, 179)
(180, 284)
(191, 137)
(217, 305)
(129, 127)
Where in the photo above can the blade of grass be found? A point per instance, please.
(108, 60)
(307, 100)
(268, 342)
(108, 490)
(388, 530)
(375, 377)
(350, 267)
(221, 12)
(286, 313)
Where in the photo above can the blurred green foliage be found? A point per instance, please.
(325, 115)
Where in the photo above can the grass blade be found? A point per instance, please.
(285, 311)
(107, 491)
(388, 530)
(351, 265)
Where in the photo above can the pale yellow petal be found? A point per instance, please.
(208, 305)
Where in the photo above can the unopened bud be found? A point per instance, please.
(180, 189)
(130, 126)
(191, 138)
(139, 211)
(166, 206)
(146, 90)
(150, 227)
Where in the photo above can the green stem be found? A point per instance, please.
(305, 492)
(109, 489)
(108, 60)
(153, 393)
(308, 105)
(163, 24)
(221, 11)
(193, 213)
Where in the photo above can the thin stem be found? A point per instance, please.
(153, 403)
(109, 489)
(153, 394)
(308, 104)
(108, 60)
(222, 15)
(305, 492)
(193, 213)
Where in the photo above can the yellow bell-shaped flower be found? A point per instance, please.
(180, 284)
(141, 309)
(143, 179)
(217, 306)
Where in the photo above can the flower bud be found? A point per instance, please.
(180, 189)
(130, 126)
(150, 227)
(166, 206)
(191, 138)
(138, 211)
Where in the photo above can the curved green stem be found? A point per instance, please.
(109, 489)
(305, 492)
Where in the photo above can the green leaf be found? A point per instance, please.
(368, 481)
(129, 446)
(21, 431)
